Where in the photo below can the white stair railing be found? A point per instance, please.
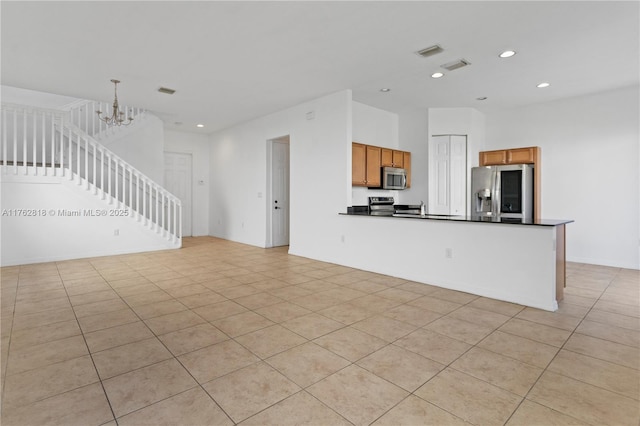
(29, 138)
(37, 141)
(85, 117)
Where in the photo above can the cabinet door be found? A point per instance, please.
(398, 159)
(386, 157)
(358, 164)
(521, 156)
(406, 160)
(374, 159)
(489, 158)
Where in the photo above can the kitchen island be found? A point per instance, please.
(516, 261)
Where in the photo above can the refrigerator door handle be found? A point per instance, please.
(495, 199)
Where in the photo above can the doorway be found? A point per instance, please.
(178, 180)
(278, 202)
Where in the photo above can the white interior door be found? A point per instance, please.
(458, 186)
(280, 193)
(439, 182)
(448, 175)
(177, 180)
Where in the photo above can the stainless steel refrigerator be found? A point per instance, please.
(502, 192)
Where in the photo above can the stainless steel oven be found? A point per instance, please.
(381, 206)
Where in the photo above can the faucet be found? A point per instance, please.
(423, 208)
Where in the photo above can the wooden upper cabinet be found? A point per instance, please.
(491, 158)
(522, 155)
(365, 165)
(406, 160)
(358, 164)
(527, 155)
(398, 159)
(392, 158)
(374, 177)
(386, 157)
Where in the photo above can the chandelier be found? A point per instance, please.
(117, 118)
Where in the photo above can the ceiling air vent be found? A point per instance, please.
(429, 51)
(456, 64)
(166, 90)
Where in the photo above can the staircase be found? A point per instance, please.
(57, 144)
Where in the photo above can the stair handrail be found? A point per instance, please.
(83, 141)
(94, 143)
(149, 211)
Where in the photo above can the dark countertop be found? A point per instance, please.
(364, 211)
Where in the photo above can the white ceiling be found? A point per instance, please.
(230, 62)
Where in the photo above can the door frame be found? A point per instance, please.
(269, 192)
(191, 155)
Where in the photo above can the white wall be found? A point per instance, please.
(198, 146)
(373, 126)
(141, 145)
(414, 135)
(320, 173)
(46, 235)
(590, 163)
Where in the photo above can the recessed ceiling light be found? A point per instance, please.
(543, 85)
(200, 125)
(385, 89)
(481, 98)
(507, 54)
(178, 123)
(437, 75)
(166, 90)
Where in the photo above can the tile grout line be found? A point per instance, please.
(6, 368)
(104, 391)
(198, 384)
(551, 361)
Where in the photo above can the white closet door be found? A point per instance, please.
(458, 176)
(447, 175)
(439, 175)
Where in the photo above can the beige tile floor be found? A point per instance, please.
(220, 333)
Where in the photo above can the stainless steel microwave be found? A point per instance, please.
(394, 178)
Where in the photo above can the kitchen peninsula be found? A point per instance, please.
(514, 261)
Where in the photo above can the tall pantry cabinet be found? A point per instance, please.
(448, 175)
